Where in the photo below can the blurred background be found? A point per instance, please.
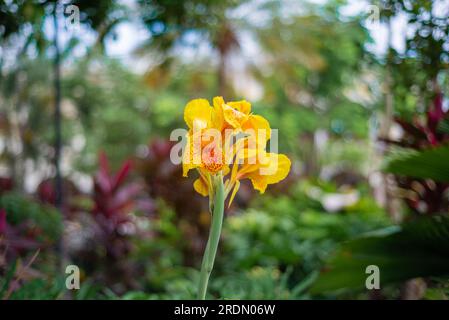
(90, 91)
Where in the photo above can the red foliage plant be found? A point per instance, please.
(14, 240)
(116, 204)
(46, 194)
(420, 134)
(429, 197)
(114, 200)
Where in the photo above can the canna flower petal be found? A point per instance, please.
(186, 167)
(234, 192)
(191, 156)
(232, 114)
(217, 116)
(234, 117)
(187, 160)
(201, 187)
(259, 130)
(242, 106)
(274, 171)
(197, 114)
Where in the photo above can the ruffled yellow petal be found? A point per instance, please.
(281, 169)
(201, 187)
(242, 106)
(197, 114)
(245, 155)
(188, 157)
(234, 192)
(241, 157)
(274, 171)
(186, 167)
(258, 128)
(259, 183)
(226, 170)
(217, 115)
(234, 117)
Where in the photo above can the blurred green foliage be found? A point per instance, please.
(315, 80)
(44, 219)
(279, 244)
(417, 249)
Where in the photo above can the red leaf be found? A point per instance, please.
(2, 221)
(103, 180)
(411, 129)
(104, 163)
(125, 197)
(121, 175)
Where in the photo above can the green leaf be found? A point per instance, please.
(21, 208)
(428, 164)
(8, 278)
(417, 249)
(443, 126)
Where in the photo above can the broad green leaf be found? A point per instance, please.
(428, 164)
(443, 126)
(417, 249)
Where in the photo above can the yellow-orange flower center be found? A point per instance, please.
(212, 158)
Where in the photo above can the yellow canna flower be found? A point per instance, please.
(211, 148)
(223, 135)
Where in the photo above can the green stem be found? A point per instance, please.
(214, 237)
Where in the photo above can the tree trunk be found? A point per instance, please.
(57, 139)
(222, 75)
(387, 121)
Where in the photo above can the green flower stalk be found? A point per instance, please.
(214, 237)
